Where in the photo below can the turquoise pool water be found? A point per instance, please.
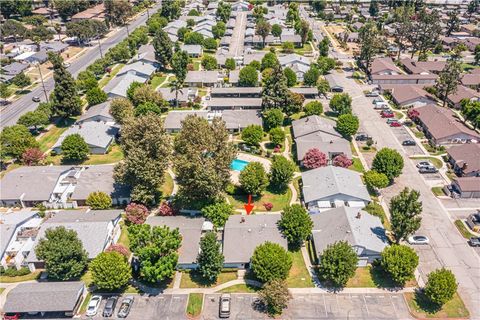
(238, 165)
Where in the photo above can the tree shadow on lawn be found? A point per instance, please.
(425, 304)
(197, 278)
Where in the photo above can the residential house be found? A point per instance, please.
(139, 68)
(98, 135)
(234, 77)
(193, 50)
(234, 103)
(46, 12)
(146, 53)
(11, 70)
(45, 299)
(299, 64)
(462, 93)
(203, 78)
(97, 113)
(242, 234)
(471, 80)
(422, 67)
(241, 5)
(18, 230)
(296, 39)
(467, 187)
(425, 79)
(407, 95)
(205, 30)
(191, 229)
(333, 83)
(250, 56)
(465, 159)
(96, 13)
(363, 231)
(54, 46)
(97, 229)
(330, 187)
(118, 86)
(173, 120)
(236, 92)
(384, 66)
(306, 92)
(443, 128)
(184, 95)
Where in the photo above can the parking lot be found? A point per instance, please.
(428, 176)
(402, 134)
(317, 306)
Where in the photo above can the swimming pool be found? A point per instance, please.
(238, 165)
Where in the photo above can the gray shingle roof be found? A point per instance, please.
(14, 68)
(102, 110)
(95, 134)
(44, 297)
(8, 224)
(312, 124)
(174, 118)
(98, 178)
(242, 234)
(118, 86)
(139, 68)
(240, 119)
(329, 181)
(229, 103)
(202, 77)
(192, 48)
(191, 230)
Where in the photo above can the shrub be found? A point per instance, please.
(313, 108)
(116, 247)
(342, 160)
(270, 261)
(32, 157)
(136, 213)
(314, 158)
(268, 206)
(277, 136)
(110, 271)
(441, 286)
(99, 200)
(165, 209)
(275, 296)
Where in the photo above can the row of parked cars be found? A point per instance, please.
(109, 308)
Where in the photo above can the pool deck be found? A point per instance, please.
(249, 158)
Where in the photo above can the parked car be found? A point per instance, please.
(428, 170)
(418, 240)
(391, 120)
(372, 94)
(224, 307)
(125, 307)
(409, 143)
(387, 114)
(395, 124)
(109, 308)
(423, 164)
(362, 137)
(377, 100)
(67, 64)
(473, 221)
(474, 241)
(35, 99)
(11, 316)
(93, 306)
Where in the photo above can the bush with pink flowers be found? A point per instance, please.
(314, 158)
(136, 213)
(342, 161)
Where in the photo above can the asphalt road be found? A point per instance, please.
(10, 114)
(238, 36)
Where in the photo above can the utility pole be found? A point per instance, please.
(128, 31)
(100, 47)
(43, 83)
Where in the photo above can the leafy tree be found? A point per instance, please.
(5, 91)
(204, 179)
(63, 254)
(13, 28)
(277, 136)
(165, 209)
(425, 32)
(341, 103)
(373, 8)
(66, 9)
(276, 30)
(313, 108)
(86, 30)
(253, 178)
(194, 38)
(99, 200)
(21, 80)
(180, 61)
(338, 263)
(275, 296)
(32, 157)
(177, 87)
(146, 108)
(275, 92)
(131, 89)
(405, 211)
(303, 30)
(291, 76)
(288, 47)
(74, 148)
(375, 180)
(347, 125)
(121, 110)
(310, 77)
(223, 11)
(193, 12)
(323, 86)
(323, 47)
(273, 118)
(136, 213)
(314, 158)
(96, 96)
(86, 80)
(400, 262)
(147, 148)
(403, 27)
(117, 11)
(156, 22)
(296, 224)
(171, 10)
(210, 44)
(110, 271)
(219, 30)
(230, 64)
(34, 119)
(163, 48)
(146, 94)
(263, 29)
(156, 248)
(448, 80)
(281, 172)
(453, 23)
(120, 53)
(369, 43)
(342, 161)
(471, 111)
(218, 213)
(65, 99)
(15, 140)
(269, 60)
(182, 32)
(210, 258)
(253, 134)
(248, 77)
(441, 286)
(325, 64)
(270, 261)
(209, 62)
(389, 162)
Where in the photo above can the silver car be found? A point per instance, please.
(418, 240)
(125, 306)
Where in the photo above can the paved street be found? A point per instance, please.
(12, 112)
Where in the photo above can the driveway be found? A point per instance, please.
(238, 36)
(317, 306)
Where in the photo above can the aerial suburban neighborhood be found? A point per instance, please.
(210, 159)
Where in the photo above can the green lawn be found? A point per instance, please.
(192, 279)
(422, 308)
(357, 165)
(103, 82)
(48, 139)
(279, 201)
(307, 48)
(373, 277)
(123, 240)
(438, 191)
(374, 208)
(435, 161)
(299, 277)
(85, 302)
(167, 84)
(157, 80)
(195, 302)
(167, 187)
(240, 288)
(1, 290)
(27, 277)
(462, 228)
(113, 156)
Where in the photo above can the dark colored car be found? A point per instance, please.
(125, 307)
(428, 170)
(110, 306)
(362, 137)
(409, 143)
(474, 241)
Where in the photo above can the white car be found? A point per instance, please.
(93, 306)
(418, 240)
(424, 164)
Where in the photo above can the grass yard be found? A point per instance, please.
(167, 187)
(462, 228)
(352, 148)
(106, 79)
(123, 239)
(357, 165)
(157, 80)
(279, 201)
(374, 208)
(113, 156)
(373, 277)
(167, 84)
(1, 290)
(307, 48)
(240, 288)
(85, 302)
(433, 151)
(435, 161)
(48, 139)
(421, 308)
(299, 277)
(192, 279)
(195, 302)
(27, 277)
(438, 191)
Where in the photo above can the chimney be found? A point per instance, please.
(465, 166)
(359, 215)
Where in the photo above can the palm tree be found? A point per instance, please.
(176, 86)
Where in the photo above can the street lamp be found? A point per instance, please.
(43, 83)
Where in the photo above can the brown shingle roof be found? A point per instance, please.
(468, 184)
(462, 93)
(471, 79)
(466, 155)
(383, 65)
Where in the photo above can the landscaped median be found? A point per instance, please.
(420, 307)
(195, 304)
